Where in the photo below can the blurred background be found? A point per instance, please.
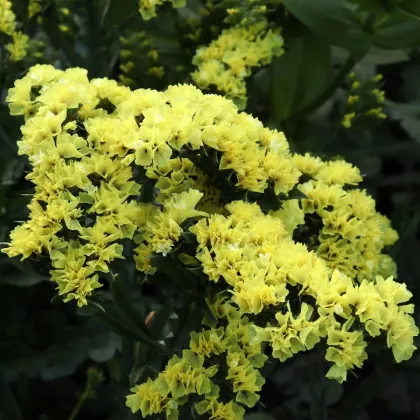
(332, 52)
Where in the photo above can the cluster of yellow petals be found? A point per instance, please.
(18, 40)
(350, 235)
(365, 101)
(265, 269)
(147, 8)
(223, 353)
(303, 271)
(83, 139)
(227, 61)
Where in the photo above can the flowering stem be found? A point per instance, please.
(78, 406)
(58, 39)
(348, 65)
(94, 378)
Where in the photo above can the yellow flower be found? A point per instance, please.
(7, 17)
(346, 350)
(147, 399)
(18, 48)
(229, 59)
(218, 410)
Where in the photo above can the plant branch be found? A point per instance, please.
(78, 407)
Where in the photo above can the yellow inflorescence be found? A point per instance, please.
(293, 274)
(18, 41)
(147, 8)
(365, 102)
(132, 57)
(348, 233)
(83, 138)
(225, 64)
(34, 7)
(7, 17)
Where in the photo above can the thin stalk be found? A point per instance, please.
(78, 407)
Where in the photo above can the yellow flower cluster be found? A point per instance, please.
(83, 138)
(226, 63)
(223, 355)
(34, 7)
(347, 232)
(19, 41)
(364, 103)
(7, 17)
(147, 8)
(135, 43)
(265, 269)
(161, 229)
(191, 180)
(179, 175)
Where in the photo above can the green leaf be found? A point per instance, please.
(23, 279)
(300, 75)
(411, 8)
(315, 71)
(173, 270)
(104, 347)
(209, 314)
(332, 20)
(380, 56)
(119, 327)
(119, 12)
(409, 116)
(284, 79)
(159, 320)
(133, 318)
(396, 33)
(136, 374)
(115, 319)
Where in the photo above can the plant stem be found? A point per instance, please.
(78, 406)
(341, 75)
